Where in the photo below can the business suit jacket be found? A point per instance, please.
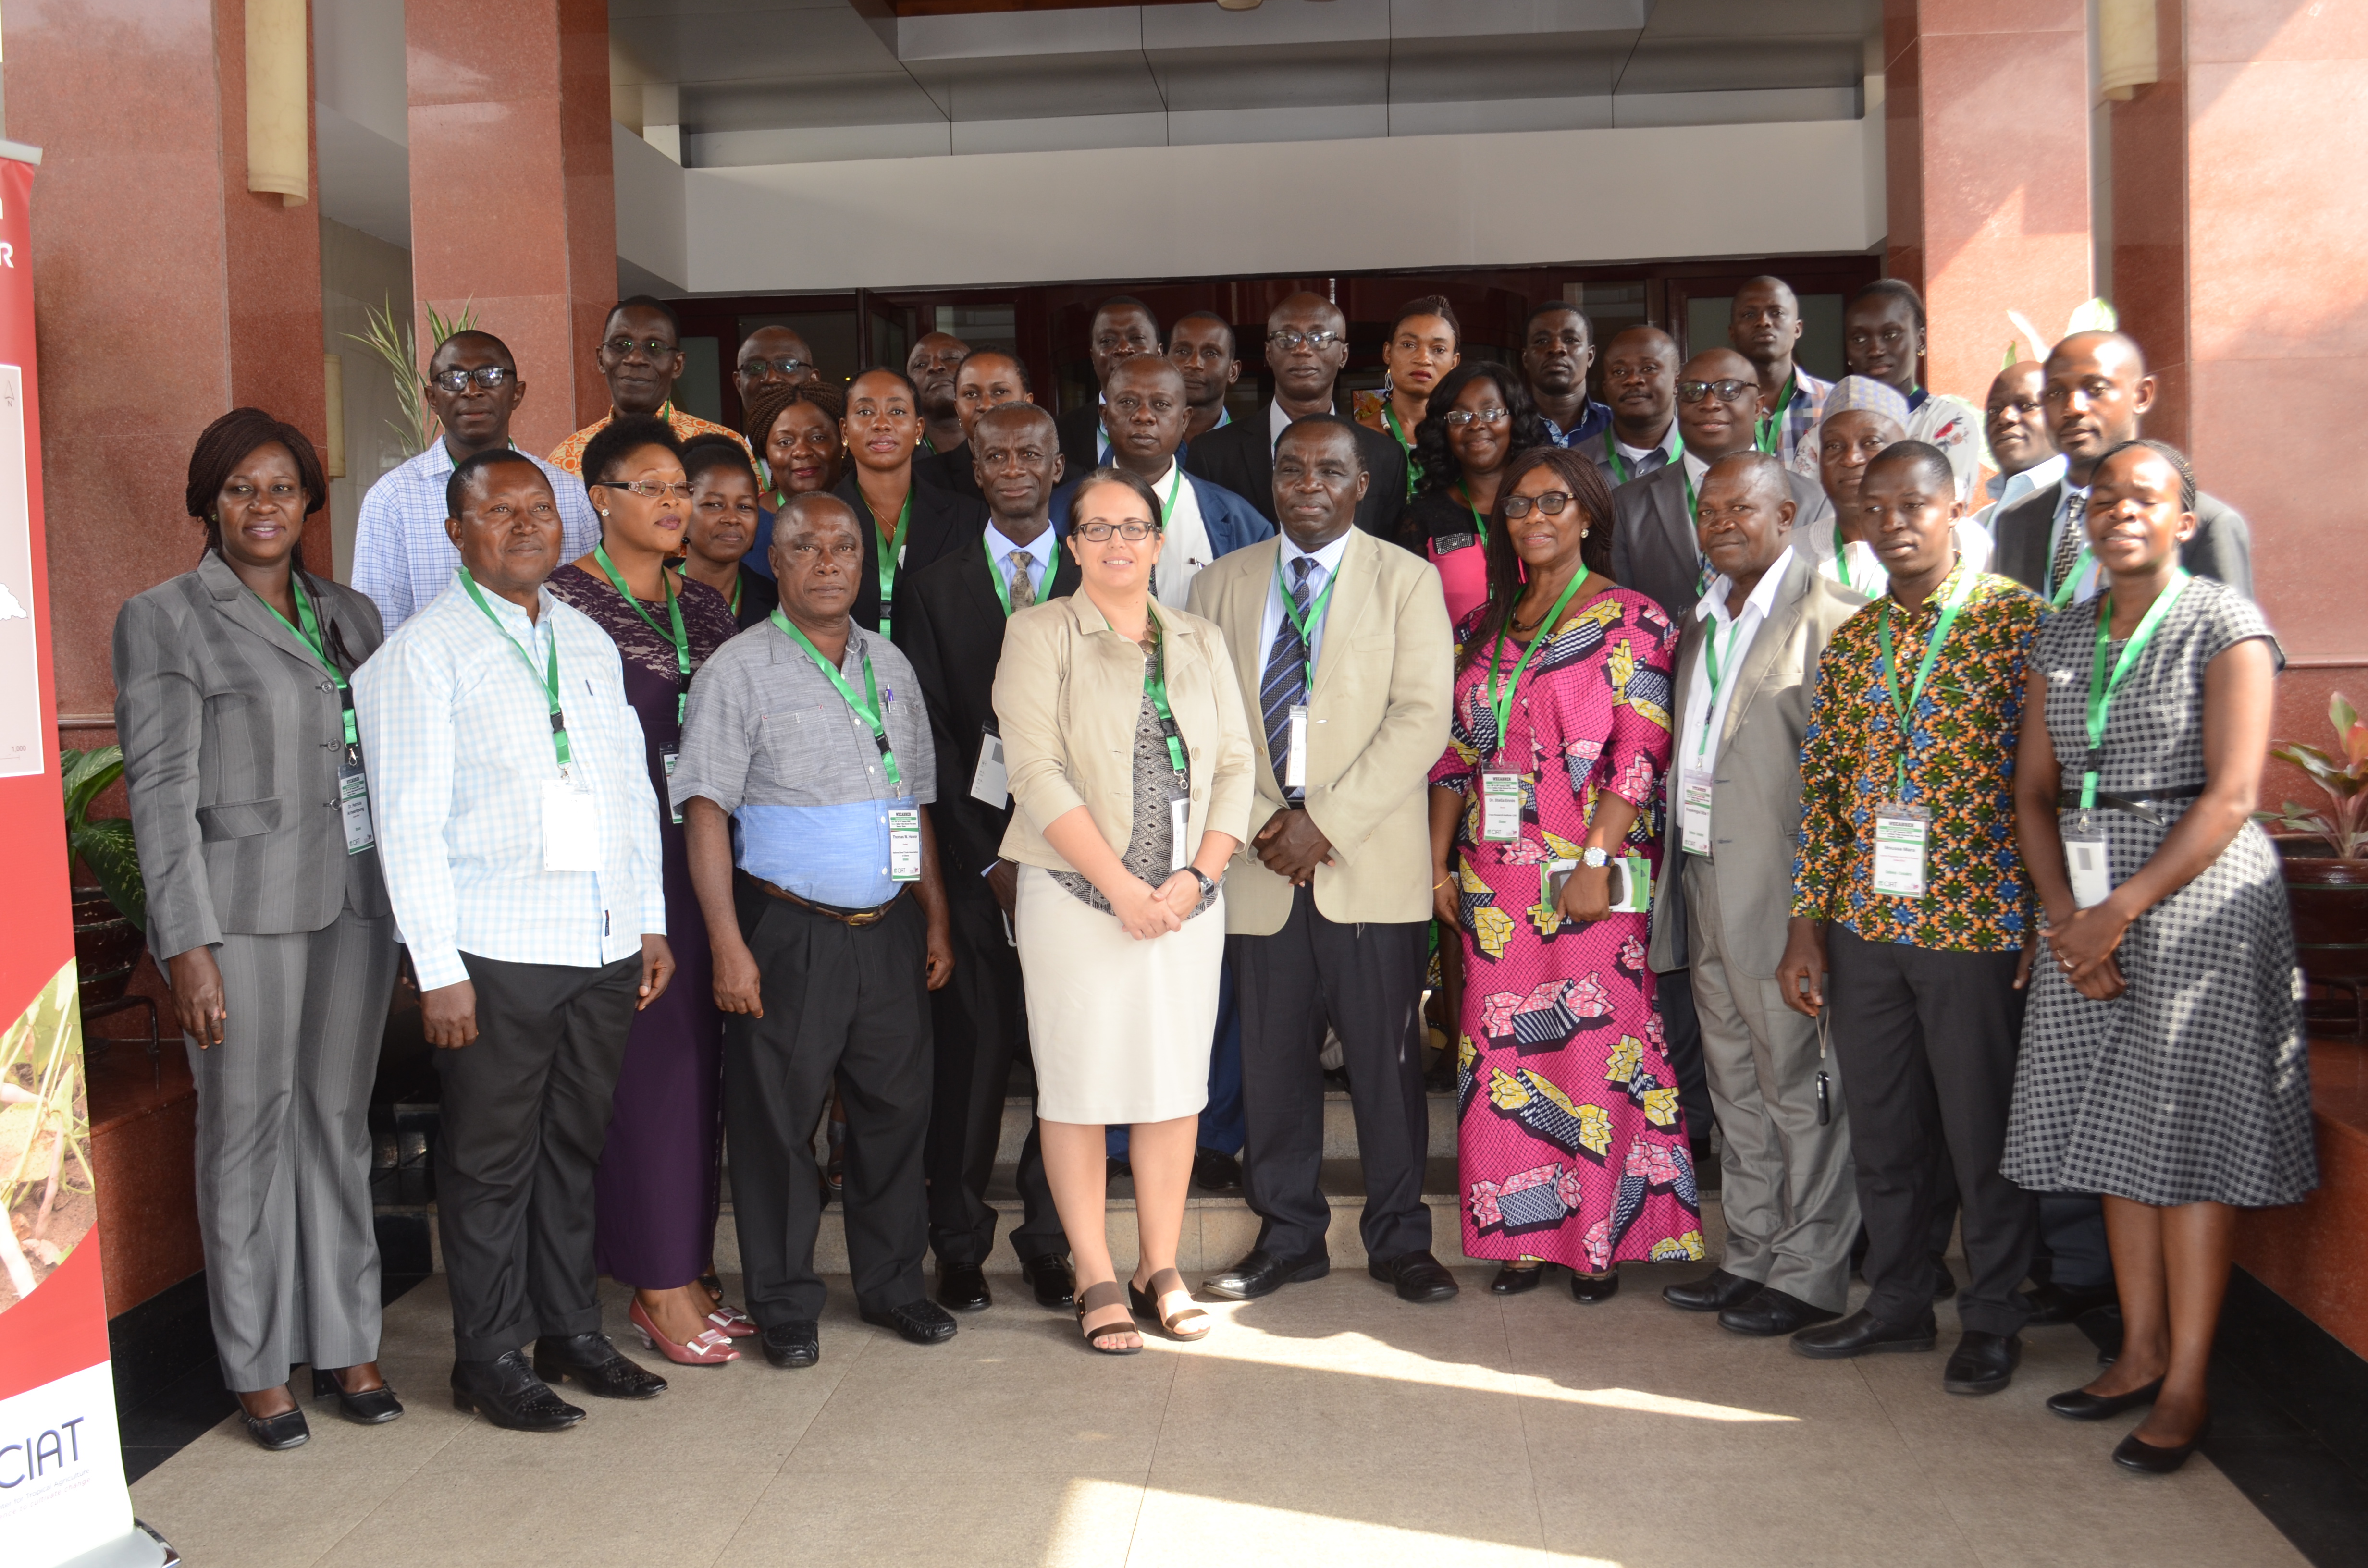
(956, 639)
(1377, 722)
(1233, 523)
(1081, 430)
(952, 469)
(1067, 695)
(2222, 548)
(1755, 810)
(1654, 547)
(943, 523)
(1240, 456)
(232, 735)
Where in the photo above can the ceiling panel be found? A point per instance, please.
(1282, 76)
(1438, 70)
(850, 100)
(1041, 88)
(777, 45)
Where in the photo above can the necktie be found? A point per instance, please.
(1023, 589)
(2069, 543)
(1284, 684)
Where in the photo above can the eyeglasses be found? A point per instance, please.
(1457, 418)
(782, 367)
(1552, 503)
(493, 378)
(655, 348)
(1134, 528)
(649, 489)
(1724, 390)
(1292, 342)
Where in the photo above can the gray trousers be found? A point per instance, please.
(1787, 1187)
(284, 1149)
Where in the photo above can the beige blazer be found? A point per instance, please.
(1755, 807)
(1067, 690)
(1377, 720)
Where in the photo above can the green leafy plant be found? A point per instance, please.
(103, 843)
(392, 341)
(2342, 773)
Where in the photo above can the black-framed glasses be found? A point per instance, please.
(781, 367)
(1290, 340)
(649, 489)
(1726, 390)
(1552, 503)
(1457, 418)
(1134, 528)
(656, 349)
(493, 378)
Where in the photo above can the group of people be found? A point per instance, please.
(1709, 753)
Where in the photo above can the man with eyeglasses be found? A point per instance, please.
(987, 378)
(1306, 346)
(772, 356)
(1640, 377)
(1201, 344)
(931, 367)
(2015, 421)
(1557, 350)
(403, 556)
(1764, 326)
(640, 357)
(1122, 328)
(1654, 547)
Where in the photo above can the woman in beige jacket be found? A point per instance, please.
(1130, 761)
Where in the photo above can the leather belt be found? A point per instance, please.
(871, 916)
(2147, 807)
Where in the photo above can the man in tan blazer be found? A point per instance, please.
(1346, 658)
(1746, 671)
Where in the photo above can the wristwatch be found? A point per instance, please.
(1208, 888)
(1594, 859)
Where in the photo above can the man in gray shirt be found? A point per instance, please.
(804, 781)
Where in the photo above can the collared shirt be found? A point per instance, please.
(458, 733)
(2005, 489)
(569, 454)
(1699, 745)
(1184, 548)
(1327, 565)
(1277, 422)
(1642, 460)
(1594, 418)
(1800, 417)
(1960, 753)
(1038, 550)
(768, 738)
(402, 558)
(1952, 425)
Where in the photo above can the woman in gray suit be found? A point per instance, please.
(251, 809)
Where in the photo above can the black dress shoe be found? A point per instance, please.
(1053, 1281)
(1215, 1171)
(920, 1322)
(1944, 1284)
(1714, 1292)
(278, 1433)
(2052, 1303)
(1860, 1334)
(2079, 1405)
(1418, 1276)
(1982, 1363)
(794, 1345)
(1263, 1274)
(506, 1393)
(962, 1287)
(596, 1365)
(1512, 1281)
(2135, 1455)
(1768, 1311)
(1590, 1289)
(371, 1407)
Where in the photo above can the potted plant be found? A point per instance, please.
(111, 916)
(2329, 890)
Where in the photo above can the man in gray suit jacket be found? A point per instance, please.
(1745, 673)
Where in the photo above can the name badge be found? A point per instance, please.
(669, 756)
(2088, 856)
(990, 781)
(1179, 811)
(1900, 832)
(570, 827)
(353, 803)
(1500, 808)
(905, 844)
(1693, 813)
(1294, 765)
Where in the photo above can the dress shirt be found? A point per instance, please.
(1642, 460)
(569, 454)
(1184, 544)
(457, 733)
(402, 558)
(1960, 768)
(1793, 448)
(1594, 418)
(2005, 489)
(1040, 555)
(1327, 563)
(1277, 422)
(768, 738)
(1699, 745)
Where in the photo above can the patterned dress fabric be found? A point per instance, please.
(1570, 1144)
(1150, 844)
(1960, 750)
(2193, 1085)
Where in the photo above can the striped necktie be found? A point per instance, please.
(1284, 684)
(2069, 543)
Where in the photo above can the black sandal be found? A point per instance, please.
(1093, 1299)
(1167, 1282)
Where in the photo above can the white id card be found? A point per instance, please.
(905, 844)
(1501, 807)
(2090, 861)
(353, 803)
(571, 828)
(1294, 766)
(989, 781)
(1693, 812)
(670, 756)
(1900, 835)
(1179, 811)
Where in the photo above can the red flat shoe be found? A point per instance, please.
(706, 1348)
(732, 1321)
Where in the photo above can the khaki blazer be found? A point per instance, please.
(1755, 807)
(1068, 692)
(1377, 722)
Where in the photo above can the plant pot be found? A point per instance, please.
(107, 947)
(2330, 921)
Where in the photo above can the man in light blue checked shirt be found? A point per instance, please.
(519, 835)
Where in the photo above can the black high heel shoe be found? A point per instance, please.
(2153, 1461)
(371, 1407)
(278, 1433)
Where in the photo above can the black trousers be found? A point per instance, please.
(1928, 1042)
(1368, 979)
(980, 1019)
(526, 1110)
(845, 1005)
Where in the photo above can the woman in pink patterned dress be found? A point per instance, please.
(1570, 1143)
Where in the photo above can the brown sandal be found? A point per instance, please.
(1167, 1282)
(1093, 1299)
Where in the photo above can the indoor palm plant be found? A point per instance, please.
(111, 917)
(2329, 893)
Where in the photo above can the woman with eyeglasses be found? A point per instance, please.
(911, 522)
(1569, 1142)
(721, 529)
(1481, 419)
(657, 1192)
(794, 430)
(1129, 757)
(1422, 346)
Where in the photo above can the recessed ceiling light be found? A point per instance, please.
(1239, 5)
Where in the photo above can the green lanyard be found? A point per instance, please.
(2064, 590)
(1155, 686)
(1002, 584)
(868, 711)
(1841, 561)
(890, 557)
(1905, 710)
(549, 676)
(736, 575)
(1693, 516)
(309, 633)
(1414, 469)
(1620, 470)
(674, 614)
(1501, 699)
(1717, 676)
(1479, 523)
(2102, 689)
(1305, 624)
(1772, 425)
(1175, 488)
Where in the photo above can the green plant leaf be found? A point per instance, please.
(108, 848)
(84, 776)
(2341, 714)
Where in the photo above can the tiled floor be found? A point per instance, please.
(1327, 1424)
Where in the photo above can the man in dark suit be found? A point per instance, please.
(1306, 345)
(931, 367)
(2096, 396)
(988, 378)
(1123, 327)
(950, 624)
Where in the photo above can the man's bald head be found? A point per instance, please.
(1011, 419)
(1300, 309)
(2096, 394)
(1718, 400)
(1305, 370)
(1759, 472)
